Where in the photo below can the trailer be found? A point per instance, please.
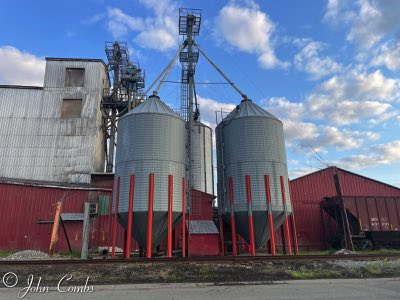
(374, 221)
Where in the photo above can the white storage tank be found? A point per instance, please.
(151, 140)
(250, 141)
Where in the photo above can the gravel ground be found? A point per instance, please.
(27, 255)
(233, 272)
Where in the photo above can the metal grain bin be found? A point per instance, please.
(151, 139)
(203, 179)
(250, 141)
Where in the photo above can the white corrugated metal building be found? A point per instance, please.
(54, 132)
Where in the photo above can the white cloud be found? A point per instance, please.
(309, 61)
(208, 108)
(381, 154)
(369, 20)
(388, 55)
(284, 109)
(20, 68)
(305, 134)
(248, 29)
(159, 32)
(354, 96)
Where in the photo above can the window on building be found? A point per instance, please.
(71, 108)
(74, 77)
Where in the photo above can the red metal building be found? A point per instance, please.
(27, 214)
(308, 192)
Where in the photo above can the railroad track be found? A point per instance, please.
(216, 259)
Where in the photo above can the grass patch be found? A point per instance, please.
(309, 274)
(73, 254)
(5, 253)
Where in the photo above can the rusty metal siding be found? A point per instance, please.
(308, 191)
(37, 144)
(26, 204)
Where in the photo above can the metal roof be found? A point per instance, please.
(9, 86)
(75, 59)
(203, 227)
(248, 109)
(154, 105)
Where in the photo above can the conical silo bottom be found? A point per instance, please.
(139, 226)
(261, 225)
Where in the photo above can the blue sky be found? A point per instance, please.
(330, 70)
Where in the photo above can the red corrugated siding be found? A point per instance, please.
(307, 193)
(22, 206)
(204, 244)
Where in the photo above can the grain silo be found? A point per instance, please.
(252, 165)
(203, 179)
(151, 140)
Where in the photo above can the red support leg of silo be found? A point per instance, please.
(286, 221)
(221, 235)
(250, 215)
(294, 231)
(294, 228)
(270, 216)
(233, 225)
(170, 191)
(130, 215)
(183, 219)
(150, 216)
(114, 232)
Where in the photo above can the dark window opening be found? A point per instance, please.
(74, 77)
(71, 108)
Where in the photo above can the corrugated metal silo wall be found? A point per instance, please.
(26, 204)
(202, 159)
(37, 143)
(308, 191)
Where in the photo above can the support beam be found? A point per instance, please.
(294, 232)
(150, 216)
(114, 227)
(250, 215)
(286, 221)
(54, 230)
(270, 216)
(221, 235)
(183, 219)
(130, 216)
(85, 232)
(233, 225)
(170, 194)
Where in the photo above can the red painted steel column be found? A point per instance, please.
(183, 219)
(170, 191)
(294, 228)
(221, 235)
(233, 225)
(250, 215)
(114, 233)
(270, 216)
(130, 215)
(286, 222)
(150, 216)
